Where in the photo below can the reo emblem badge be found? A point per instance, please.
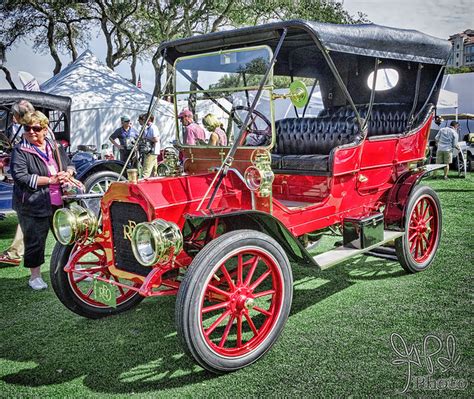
(128, 230)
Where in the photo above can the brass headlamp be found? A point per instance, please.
(74, 224)
(156, 242)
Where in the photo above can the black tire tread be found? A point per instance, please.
(401, 250)
(193, 275)
(64, 292)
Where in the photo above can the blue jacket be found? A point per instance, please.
(26, 166)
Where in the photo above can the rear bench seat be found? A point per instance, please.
(304, 145)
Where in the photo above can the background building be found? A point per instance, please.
(462, 53)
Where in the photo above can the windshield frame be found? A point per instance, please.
(267, 87)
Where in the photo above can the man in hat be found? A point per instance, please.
(126, 136)
(193, 133)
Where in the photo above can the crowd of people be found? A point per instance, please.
(40, 168)
(124, 137)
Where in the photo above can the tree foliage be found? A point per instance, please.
(133, 29)
(463, 69)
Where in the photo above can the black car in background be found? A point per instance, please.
(95, 173)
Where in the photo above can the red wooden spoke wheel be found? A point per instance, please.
(416, 250)
(234, 300)
(76, 290)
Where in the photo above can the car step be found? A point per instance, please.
(340, 254)
(383, 252)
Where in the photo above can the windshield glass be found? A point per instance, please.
(214, 93)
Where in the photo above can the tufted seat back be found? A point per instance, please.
(385, 118)
(305, 136)
(303, 145)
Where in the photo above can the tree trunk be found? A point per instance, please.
(133, 65)
(52, 47)
(155, 60)
(108, 40)
(72, 45)
(8, 76)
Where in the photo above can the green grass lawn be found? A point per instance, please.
(336, 342)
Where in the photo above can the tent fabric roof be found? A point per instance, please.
(363, 39)
(92, 85)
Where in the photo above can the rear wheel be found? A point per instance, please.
(99, 183)
(76, 291)
(234, 300)
(417, 248)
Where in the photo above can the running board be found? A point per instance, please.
(340, 254)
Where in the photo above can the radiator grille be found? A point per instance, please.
(121, 214)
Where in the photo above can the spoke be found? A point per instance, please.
(418, 248)
(265, 312)
(81, 278)
(239, 330)
(226, 332)
(426, 209)
(412, 244)
(250, 322)
(263, 293)
(248, 279)
(428, 220)
(89, 293)
(216, 323)
(412, 236)
(415, 212)
(239, 269)
(220, 305)
(425, 238)
(260, 279)
(227, 277)
(218, 290)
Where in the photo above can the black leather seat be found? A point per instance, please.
(305, 144)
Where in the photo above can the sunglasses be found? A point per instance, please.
(36, 129)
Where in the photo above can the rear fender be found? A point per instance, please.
(199, 229)
(399, 195)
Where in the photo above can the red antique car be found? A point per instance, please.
(221, 224)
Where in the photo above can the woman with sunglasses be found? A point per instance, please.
(39, 167)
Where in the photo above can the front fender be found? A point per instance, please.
(85, 170)
(399, 194)
(203, 223)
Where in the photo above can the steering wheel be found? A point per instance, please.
(252, 130)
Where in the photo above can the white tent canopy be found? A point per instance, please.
(447, 99)
(99, 97)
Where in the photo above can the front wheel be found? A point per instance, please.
(234, 300)
(417, 248)
(76, 291)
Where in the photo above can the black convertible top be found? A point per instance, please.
(363, 39)
(37, 99)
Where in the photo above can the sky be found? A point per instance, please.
(440, 18)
